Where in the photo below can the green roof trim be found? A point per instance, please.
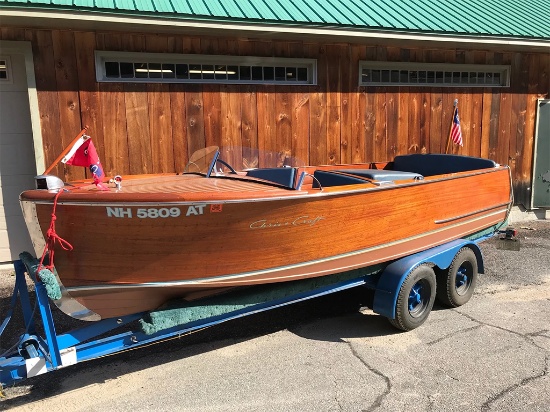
(501, 18)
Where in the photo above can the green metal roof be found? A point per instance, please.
(508, 18)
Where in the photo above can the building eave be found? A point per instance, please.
(93, 21)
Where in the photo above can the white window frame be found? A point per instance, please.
(6, 69)
(425, 72)
(199, 60)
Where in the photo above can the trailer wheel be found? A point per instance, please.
(415, 299)
(456, 285)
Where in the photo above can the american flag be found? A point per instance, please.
(456, 133)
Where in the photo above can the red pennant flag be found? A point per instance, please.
(83, 153)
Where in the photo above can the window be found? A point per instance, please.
(433, 74)
(5, 70)
(193, 68)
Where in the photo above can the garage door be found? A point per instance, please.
(541, 174)
(17, 163)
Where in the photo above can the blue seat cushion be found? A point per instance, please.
(281, 175)
(437, 164)
(329, 178)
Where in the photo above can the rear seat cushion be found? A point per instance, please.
(436, 164)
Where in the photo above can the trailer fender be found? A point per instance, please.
(393, 276)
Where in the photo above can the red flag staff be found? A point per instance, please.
(64, 152)
(455, 133)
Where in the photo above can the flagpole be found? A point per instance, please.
(451, 125)
(65, 151)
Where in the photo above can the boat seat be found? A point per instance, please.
(382, 175)
(330, 178)
(437, 164)
(281, 175)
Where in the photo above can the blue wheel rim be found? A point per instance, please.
(463, 279)
(419, 297)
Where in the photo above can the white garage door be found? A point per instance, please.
(17, 163)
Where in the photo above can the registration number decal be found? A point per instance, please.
(154, 212)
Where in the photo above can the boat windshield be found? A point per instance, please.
(213, 160)
(203, 160)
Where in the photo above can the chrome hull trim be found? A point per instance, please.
(438, 222)
(70, 306)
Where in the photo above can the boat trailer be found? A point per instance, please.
(404, 292)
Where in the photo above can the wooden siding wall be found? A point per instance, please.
(144, 128)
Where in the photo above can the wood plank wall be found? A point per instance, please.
(147, 128)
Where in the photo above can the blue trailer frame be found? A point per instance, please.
(34, 354)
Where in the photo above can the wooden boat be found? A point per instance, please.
(152, 238)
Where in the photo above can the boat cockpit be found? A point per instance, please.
(413, 167)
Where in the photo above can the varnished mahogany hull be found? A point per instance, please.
(246, 236)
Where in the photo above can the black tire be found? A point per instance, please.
(455, 286)
(415, 299)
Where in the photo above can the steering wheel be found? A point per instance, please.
(226, 165)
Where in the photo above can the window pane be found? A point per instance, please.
(280, 74)
(439, 77)
(385, 76)
(413, 76)
(141, 71)
(366, 76)
(207, 71)
(245, 72)
(404, 76)
(155, 70)
(456, 77)
(430, 77)
(394, 76)
(302, 74)
(182, 71)
(232, 72)
(464, 78)
(496, 78)
(257, 73)
(448, 78)
(168, 71)
(269, 73)
(291, 73)
(3, 74)
(127, 70)
(480, 78)
(111, 70)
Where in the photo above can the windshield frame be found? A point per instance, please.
(204, 160)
